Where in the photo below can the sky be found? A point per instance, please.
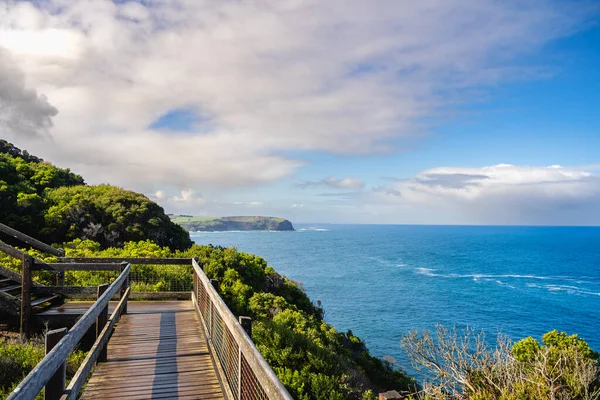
(354, 111)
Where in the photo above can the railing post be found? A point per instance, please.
(124, 287)
(101, 321)
(26, 296)
(55, 387)
(246, 323)
(60, 278)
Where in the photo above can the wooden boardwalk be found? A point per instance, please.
(158, 351)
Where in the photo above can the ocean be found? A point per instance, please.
(380, 281)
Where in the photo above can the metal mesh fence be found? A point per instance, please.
(251, 388)
(238, 374)
(143, 278)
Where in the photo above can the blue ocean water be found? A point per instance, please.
(380, 281)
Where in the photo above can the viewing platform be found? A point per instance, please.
(193, 348)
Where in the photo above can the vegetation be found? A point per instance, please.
(312, 359)
(463, 366)
(17, 359)
(197, 223)
(54, 205)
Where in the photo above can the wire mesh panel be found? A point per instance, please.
(231, 346)
(218, 335)
(250, 387)
(204, 304)
(231, 366)
(161, 278)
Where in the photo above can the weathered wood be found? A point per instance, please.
(263, 372)
(101, 322)
(156, 351)
(78, 380)
(26, 297)
(13, 275)
(11, 251)
(39, 376)
(9, 304)
(31, 241)
(161, 296)
(128, 260)
(40, 265)
(56, 385)
(60, 278)
(69, 292)
(9, 288)
(125, 287)
(42, 300)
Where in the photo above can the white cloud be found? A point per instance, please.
(336, 76)
(499, 194)
(344, 183)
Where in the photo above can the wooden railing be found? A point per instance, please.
(50, 372)
(243, 370)
(246, 373)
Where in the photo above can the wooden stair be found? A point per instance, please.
(10, 294)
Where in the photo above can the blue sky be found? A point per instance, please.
(449, 112)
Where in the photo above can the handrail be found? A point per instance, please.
(45, 369)
(245, 369)
(72, 391)
(33, 242)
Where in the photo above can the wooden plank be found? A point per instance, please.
(43, 300)
(5, 280)
(13, 275)
(69, 292)
(9, 304)
(40, 265)
(31, 241)
(154, 353)
(9, 288)
(129, 260)
(11, 251)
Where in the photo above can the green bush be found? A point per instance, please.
(18, 359)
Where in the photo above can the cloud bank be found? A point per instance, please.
(499, 194)
(267, 77)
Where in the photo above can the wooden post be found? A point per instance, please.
(246, 323)
(124, 288)
(60, 278)
(26, 296)
(101, 321)
(55, 387)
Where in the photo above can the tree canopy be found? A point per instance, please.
(54, 205)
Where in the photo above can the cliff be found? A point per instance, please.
(213, 224)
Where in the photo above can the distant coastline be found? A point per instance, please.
(193, 223)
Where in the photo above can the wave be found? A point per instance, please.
(499, 279)
(312, 230)
(430, 272)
